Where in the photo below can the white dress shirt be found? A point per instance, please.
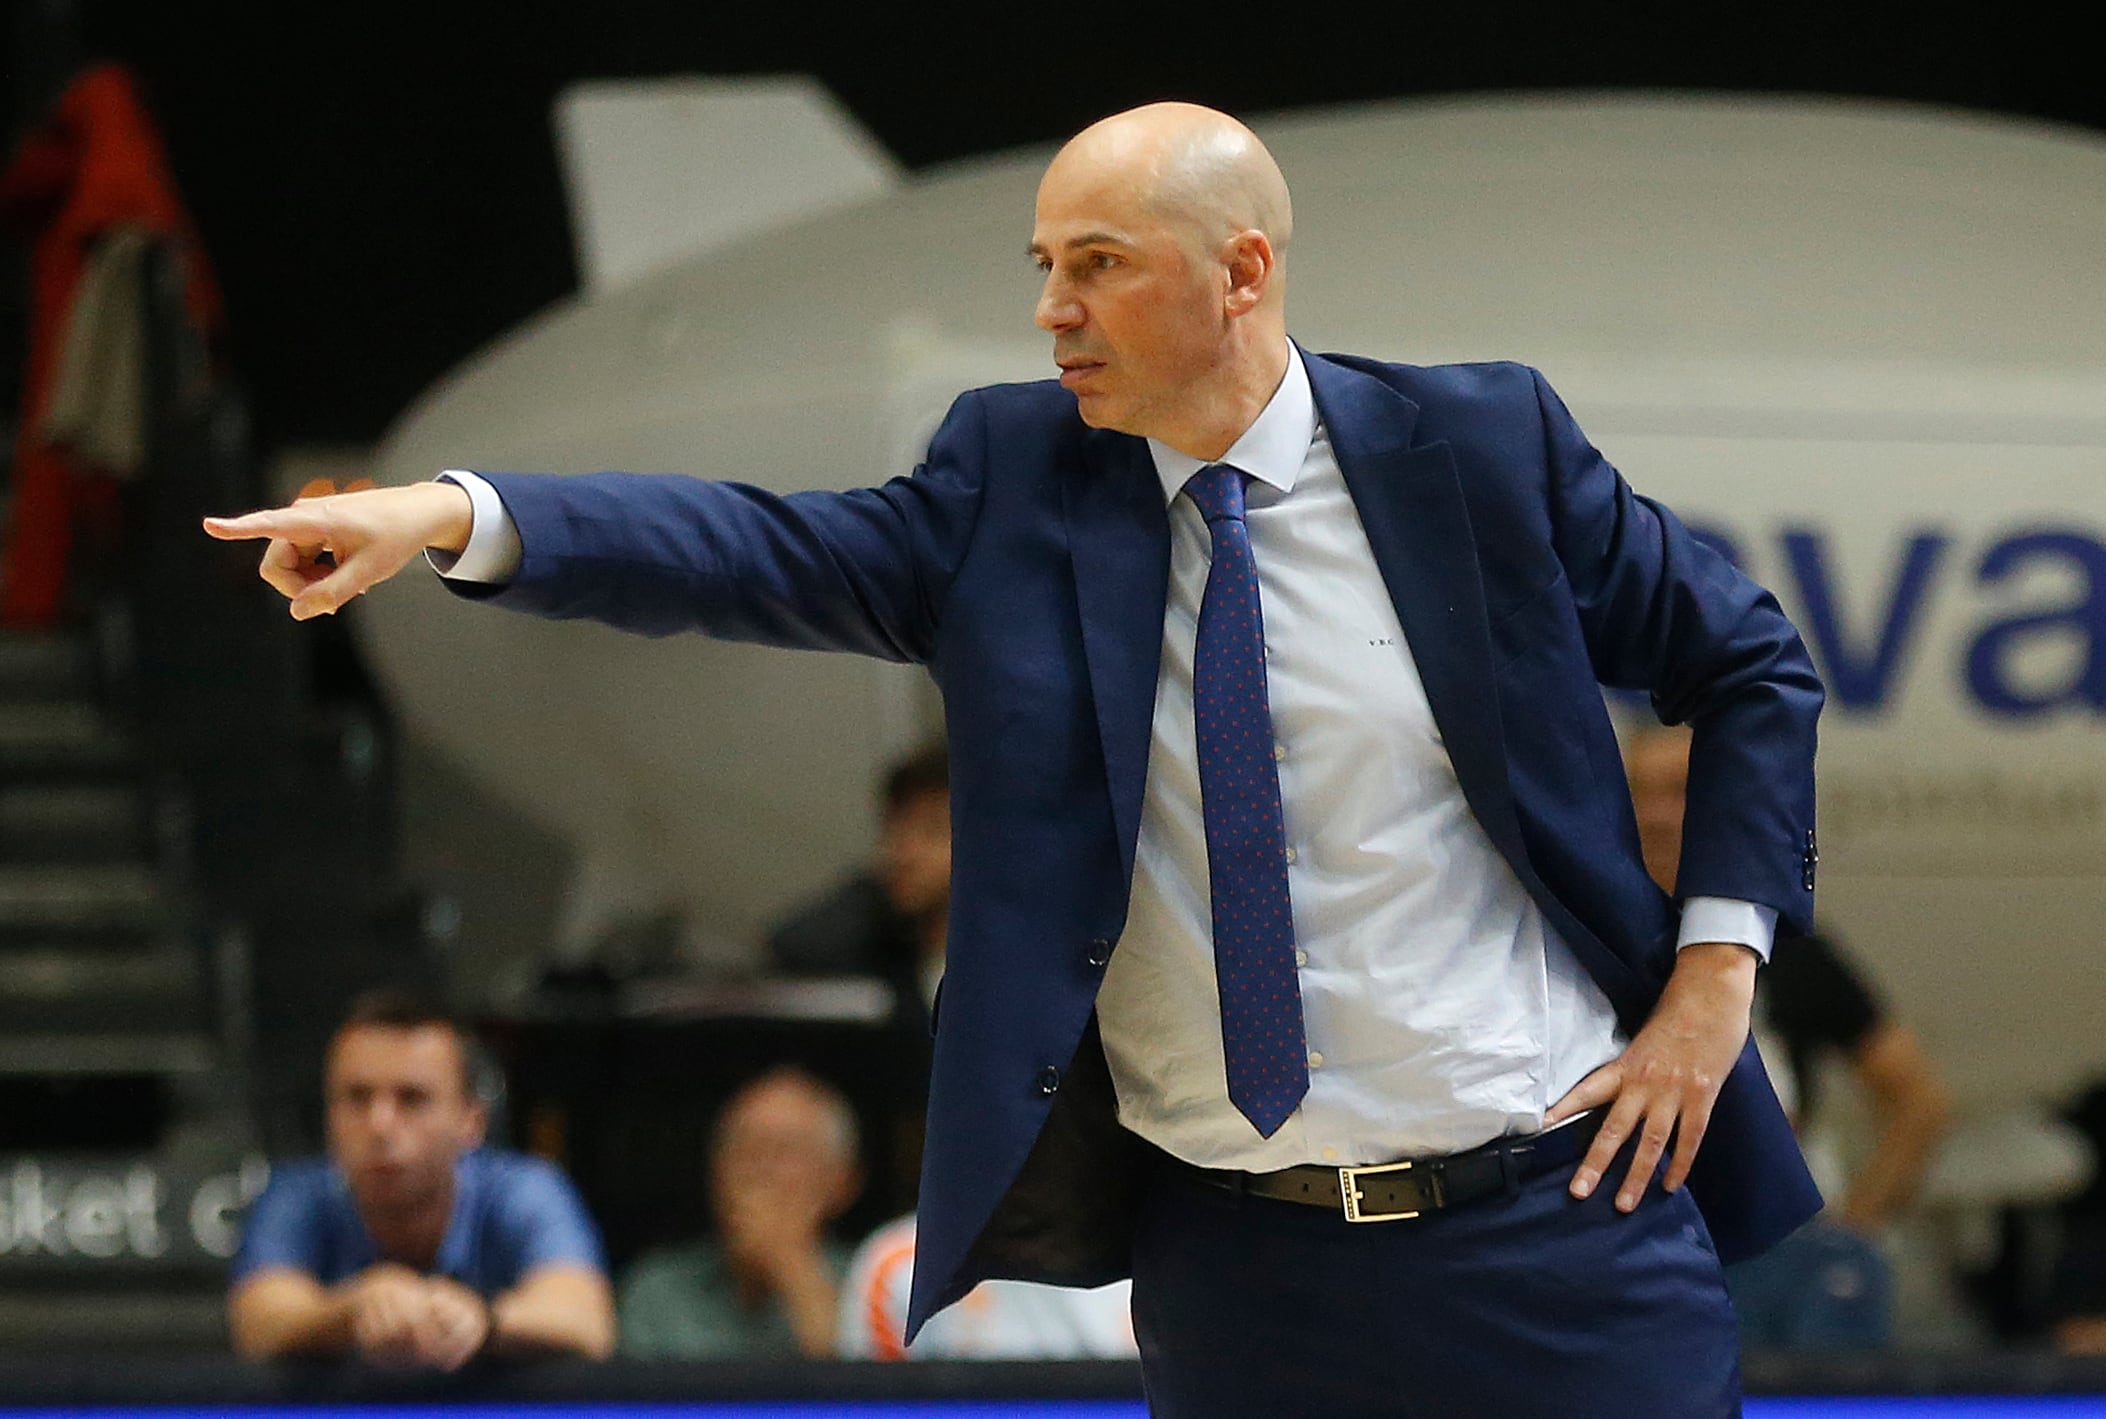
(1441, 1009)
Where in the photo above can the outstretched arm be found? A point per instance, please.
(865, 571)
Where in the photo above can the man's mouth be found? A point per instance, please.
(1073, 372)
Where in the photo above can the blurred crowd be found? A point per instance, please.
(417, 1241)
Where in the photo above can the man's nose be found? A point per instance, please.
(1057, 309)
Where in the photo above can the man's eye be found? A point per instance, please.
(1102, 261)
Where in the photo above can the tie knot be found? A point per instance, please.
(1218, 491)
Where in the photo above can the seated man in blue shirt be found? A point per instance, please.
(412, 1244)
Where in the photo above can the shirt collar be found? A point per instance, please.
(1271, 449)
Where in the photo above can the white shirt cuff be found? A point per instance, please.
(493, 551)
(1725, 919)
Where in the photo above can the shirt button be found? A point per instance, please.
(1301, 957)
(1049, 1081)
(1316, 1059)
(1290, 854)
(1330, 1155)
(1279, 753)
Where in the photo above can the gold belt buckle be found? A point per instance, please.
(1349, 1190)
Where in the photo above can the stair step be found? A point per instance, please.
(50, 989)
(54, 899)
(159, 1052)
(50, 973)
(45, 666)
(61, 735)
(76, 821)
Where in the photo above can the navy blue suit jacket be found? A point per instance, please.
(1025, 563)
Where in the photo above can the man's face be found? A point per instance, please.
(1658, 767)
(1134, 308)
(399, 1112)
(776, 1147)
(914, 854)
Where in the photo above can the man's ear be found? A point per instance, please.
(1248, 258)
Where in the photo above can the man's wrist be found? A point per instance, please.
(1724, 951)
(1722, 957)
(454, 518)
(1716, 971)
(489, 550)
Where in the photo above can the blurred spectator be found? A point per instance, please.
(782, 1168)
(2079, 1293)
(1827, 1285)
(412, 1244)
(890, 919)
(997, 1320)
(2077, 1290)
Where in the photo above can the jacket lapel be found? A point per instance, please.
(1119, 539)
(1418, 527)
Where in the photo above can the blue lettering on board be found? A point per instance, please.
(1989, 658)
(1862, 658)
(1858, 672)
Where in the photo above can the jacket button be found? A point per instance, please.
(1049, 1081)
(1099, 952)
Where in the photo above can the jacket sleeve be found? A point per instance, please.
(1665, 614)
(865, 571)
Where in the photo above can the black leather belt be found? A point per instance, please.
(1393, 1192)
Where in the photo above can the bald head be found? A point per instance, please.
(1191, 165)
(1161, 231)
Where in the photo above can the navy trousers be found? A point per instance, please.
(1508, 1308)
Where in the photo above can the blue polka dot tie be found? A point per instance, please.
(1239, 787)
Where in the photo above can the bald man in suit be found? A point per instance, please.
(1303, 963)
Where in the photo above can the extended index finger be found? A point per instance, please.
(294, 524)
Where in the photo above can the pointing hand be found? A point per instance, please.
(366, 537)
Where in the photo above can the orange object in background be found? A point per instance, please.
(95, 166)
(326, 488)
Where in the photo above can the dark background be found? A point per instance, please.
(377, 183)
